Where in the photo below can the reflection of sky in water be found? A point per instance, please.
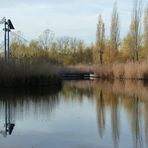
(66, 121)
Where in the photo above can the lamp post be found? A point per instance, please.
(10, 27)
(5, 41)
(8, 45)
(3, 21)
(7, 27)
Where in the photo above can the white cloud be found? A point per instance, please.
(65, 17)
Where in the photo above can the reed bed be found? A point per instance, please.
(130, 70)
(28, 75)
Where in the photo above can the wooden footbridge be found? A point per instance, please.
(78, 76)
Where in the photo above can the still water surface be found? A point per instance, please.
(83, 114)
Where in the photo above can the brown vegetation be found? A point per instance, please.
(28, 75)
(109, 58)
(129, 70)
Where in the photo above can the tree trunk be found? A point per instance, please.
(101, 58)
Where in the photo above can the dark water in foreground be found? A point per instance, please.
(84, 114)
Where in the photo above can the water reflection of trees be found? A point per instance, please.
(146, 121)
(77, 90)
(111, 98)
(101, 113)
(132, 97)
(20, 103)
(115, 119)
(114, 98)
(108, 100)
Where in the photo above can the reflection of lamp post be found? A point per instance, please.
(9, 126)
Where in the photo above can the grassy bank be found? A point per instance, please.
(28, 75)
(130, 70)
(43, 74)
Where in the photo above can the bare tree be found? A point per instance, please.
(18, 37)
(46, 39)
(136, 28)
(100, 35)
(65, 44)
(115, 32)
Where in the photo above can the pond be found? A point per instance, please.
(83, 114)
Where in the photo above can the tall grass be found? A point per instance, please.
(129, 70)
(28, 74)
(44, 74)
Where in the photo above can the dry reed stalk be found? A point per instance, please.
(118, 71)
(26, 74)
(129, 70)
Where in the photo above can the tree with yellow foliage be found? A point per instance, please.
(100, 35)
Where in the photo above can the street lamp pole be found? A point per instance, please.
(8, 44)
(7, 27)
(5, 46)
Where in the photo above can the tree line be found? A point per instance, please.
(61, 51)
(72, 51)
(133, 47)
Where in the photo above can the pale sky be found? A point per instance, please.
(75, 18)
